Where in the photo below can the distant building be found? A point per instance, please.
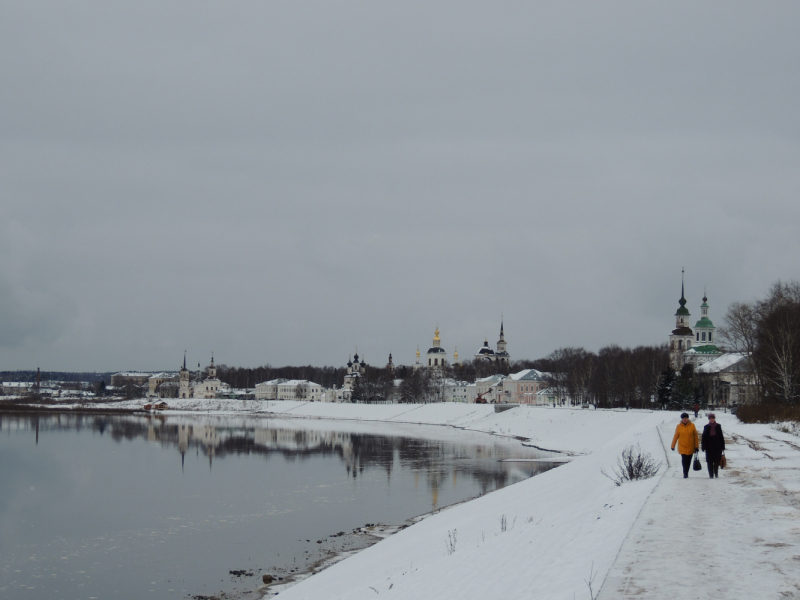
(437, 356)
(300, 389)
(704, 349)
(417, 364)
(730, 379)
(16, 388)
(184, 381)
(490, 388)
(485, 352)
(457, 391)
(155, 382)
(268, 390)
(686, 346)
(209, 387)
(168, 389)
(124, 378)
(500, 356)
(336, 395)
(522, 387)
(355, 370)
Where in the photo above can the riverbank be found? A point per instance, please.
(571, 532)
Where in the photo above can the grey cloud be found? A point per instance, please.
(281, 183)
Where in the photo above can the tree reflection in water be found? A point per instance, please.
(229, 436)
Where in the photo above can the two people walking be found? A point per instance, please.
(689, 442)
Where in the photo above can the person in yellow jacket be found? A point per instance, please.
(688, 442)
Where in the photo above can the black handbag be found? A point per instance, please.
(696, 464)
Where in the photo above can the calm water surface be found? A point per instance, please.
(131, 507)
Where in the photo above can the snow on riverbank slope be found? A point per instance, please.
(559, 526)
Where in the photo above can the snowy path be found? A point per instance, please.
(737, 536)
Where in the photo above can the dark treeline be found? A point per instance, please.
(30, 376)
(612, 377)
(241, 377)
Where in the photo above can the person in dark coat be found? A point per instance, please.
(713, 444)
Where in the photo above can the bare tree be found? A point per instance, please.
(416, 387)
(739, 331)
(768, 332)
(301, 391)
(779, 353)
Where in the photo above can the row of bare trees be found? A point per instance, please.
(612, 377)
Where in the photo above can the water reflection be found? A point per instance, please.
(172, 502)
(438, 460)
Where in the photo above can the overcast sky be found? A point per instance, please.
(285, 182)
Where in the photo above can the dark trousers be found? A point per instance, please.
(712, 461)
(686, 459)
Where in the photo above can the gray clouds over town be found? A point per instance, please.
(286, 182)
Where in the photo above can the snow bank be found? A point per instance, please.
(536, 539)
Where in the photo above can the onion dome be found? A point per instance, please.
(485, 350)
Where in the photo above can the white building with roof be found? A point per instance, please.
(547, 397)
(730, 379)
(16, 388)
(457, 391)
(268, 390)
(209, 387)
(300, 389)
(155, 381)
(522, 387)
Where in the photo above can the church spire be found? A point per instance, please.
(502, 354)
(682, 310)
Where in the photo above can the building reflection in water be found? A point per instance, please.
(435, 460)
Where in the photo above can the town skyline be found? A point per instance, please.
(190, 357)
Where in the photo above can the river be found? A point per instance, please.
(130, 507)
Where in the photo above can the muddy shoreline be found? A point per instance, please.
(352, 543)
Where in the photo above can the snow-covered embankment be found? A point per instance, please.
(542, 538)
